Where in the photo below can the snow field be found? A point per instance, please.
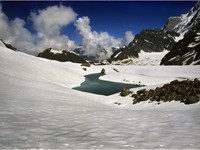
(39, 109)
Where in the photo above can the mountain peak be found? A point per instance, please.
(158, 40)
(196, 7)
(61, 55)
(184, 22)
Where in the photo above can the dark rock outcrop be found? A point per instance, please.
(125, 91)
(186, 91)
(62, 56)
(152, 40)
(8, 45)
(103, 71)
(186, 51)
(184, 22)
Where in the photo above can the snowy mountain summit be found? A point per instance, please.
(185, 22)
(166, 38)
(187, 50)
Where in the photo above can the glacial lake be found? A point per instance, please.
(93, 84)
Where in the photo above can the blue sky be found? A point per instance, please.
(113, 17)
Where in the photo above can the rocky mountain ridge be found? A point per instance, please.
(184, 22)
(187, 50)
(8, 45)
(62, 56)
(166, 38)
(150, 40)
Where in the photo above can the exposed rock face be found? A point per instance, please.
(189, 20)
(8, 45)
(187, 92)
(103, 71)
(186, 51)
(125, 91)
(153, 40)
(171, 23)
(61, 56)
(185, 22)
(123, 53)
(157, 40)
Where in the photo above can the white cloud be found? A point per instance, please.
(128, 38)
(21, 37)
(3, 23)
(47, 23)
(14, 33)
(98, 45)
(57, 42)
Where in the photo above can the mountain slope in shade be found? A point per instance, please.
(186, 51)
(151, 40)
(62, 56)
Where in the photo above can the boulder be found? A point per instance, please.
(125, 91)
(103, 71)
(139, 92)
(192, 99)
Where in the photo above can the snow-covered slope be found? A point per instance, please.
(144, 59)
(3, 44)
(39, 109)
(26, 67)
